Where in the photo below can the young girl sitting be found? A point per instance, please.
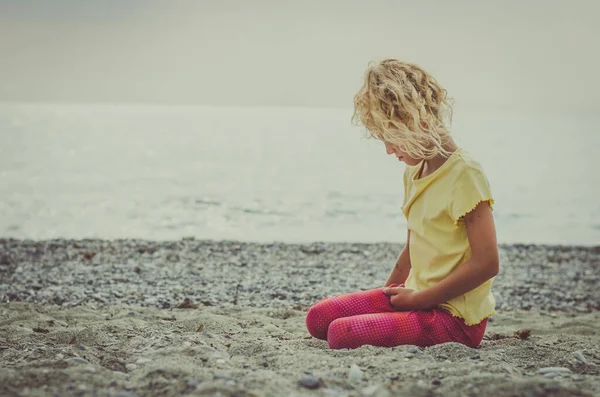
(440, 288)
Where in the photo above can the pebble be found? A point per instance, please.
(310, 382)
(376, 391)
(580, 357)
(125, 393)
(413, 350)
(578, 378)
(131, 367)
(548, 370)
(552, 387)
(115, 276)
(77, 361)
(355, 374)
(409, 355)
(223, 376)
(142, 360)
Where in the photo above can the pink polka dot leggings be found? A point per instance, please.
(367, 318)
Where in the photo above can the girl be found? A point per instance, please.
(440, 288)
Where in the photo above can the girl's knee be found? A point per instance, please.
(340, 335)
(317, 320)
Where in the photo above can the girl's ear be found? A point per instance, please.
(424, 124)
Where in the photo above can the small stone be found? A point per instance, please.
(355, 374)
(375, 391)
(580, 357)
(443, 357)
(143, 360)
(409, 355)
(82, 387)
(223, 376)
(436, 382)
(131, 367)
(125, 393)
(77, 361)
(221, 361)
(310, 382)
(547, 370)
(413, 350)
(475, 357)
(578, 378)
(552, 387)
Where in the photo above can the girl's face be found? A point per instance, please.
(400, 154)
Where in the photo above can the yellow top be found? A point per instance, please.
(434, 206)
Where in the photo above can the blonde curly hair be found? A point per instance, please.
(401, 104)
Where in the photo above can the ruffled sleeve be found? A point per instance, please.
(470, 189)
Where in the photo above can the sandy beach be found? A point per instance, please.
(141, 318)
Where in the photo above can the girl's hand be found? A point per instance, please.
(403, 299)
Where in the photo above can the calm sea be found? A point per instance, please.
(265, 174)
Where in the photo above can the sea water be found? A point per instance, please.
(274, 174)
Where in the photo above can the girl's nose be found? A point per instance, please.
(389, 149)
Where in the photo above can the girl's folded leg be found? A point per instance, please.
(329, 309)
(420, 328)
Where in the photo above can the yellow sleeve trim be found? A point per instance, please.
(460, 220)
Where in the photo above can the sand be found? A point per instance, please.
(103, 318)
(132, 350)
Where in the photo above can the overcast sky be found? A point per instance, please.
(517, 53)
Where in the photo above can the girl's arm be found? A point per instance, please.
(482, 266)
(402, 267)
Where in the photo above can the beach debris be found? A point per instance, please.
(578, 355)
(310, 382)
(355, 374)
(494, 336)
(88, 255)
(523, 334)
(186, 304)
(40, 330)
(200, 328)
